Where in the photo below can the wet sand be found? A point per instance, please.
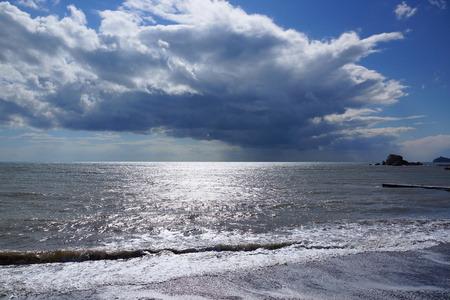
(422, 274)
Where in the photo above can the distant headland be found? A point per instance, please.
(441, 159)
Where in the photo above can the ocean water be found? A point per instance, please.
(67, 228)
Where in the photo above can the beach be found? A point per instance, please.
(419, 274)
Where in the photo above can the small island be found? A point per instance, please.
(441, 159)
(397, 160)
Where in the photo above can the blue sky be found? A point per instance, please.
(238, 80)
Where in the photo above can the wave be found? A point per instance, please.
(20, 194)
(64, 256)
(363, 235)
(61, 256)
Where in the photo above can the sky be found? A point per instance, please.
(237, 80)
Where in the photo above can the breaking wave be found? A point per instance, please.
(63, 256)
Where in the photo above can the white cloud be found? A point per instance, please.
(30, 3)
(403, 11)
(77, 15)
(36, 4)
(372, 132)
(428, 148)
(358, 117)
(39, 137)
(213, 73)
(364, 133)
(441, 4)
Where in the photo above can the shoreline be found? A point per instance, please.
(418, 274)
(414, 274)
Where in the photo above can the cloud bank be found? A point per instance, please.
(200, 69)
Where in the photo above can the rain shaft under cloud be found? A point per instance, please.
(200, 69)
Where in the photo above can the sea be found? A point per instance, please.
(223, 230)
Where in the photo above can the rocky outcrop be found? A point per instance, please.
(441, 159)
(397, 160)
(394, 160)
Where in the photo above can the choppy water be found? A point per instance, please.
(138, 223)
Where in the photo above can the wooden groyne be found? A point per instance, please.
(430, 187)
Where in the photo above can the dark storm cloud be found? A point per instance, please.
(213, 73)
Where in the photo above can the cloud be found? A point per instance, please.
(35, 4)
(374, 139)
(30, 3)
(210, 72)
(60, 145)
(403, 11)
(371, 132)
(38, 136)
(358, 117)
(441, 4)
(428, 148)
